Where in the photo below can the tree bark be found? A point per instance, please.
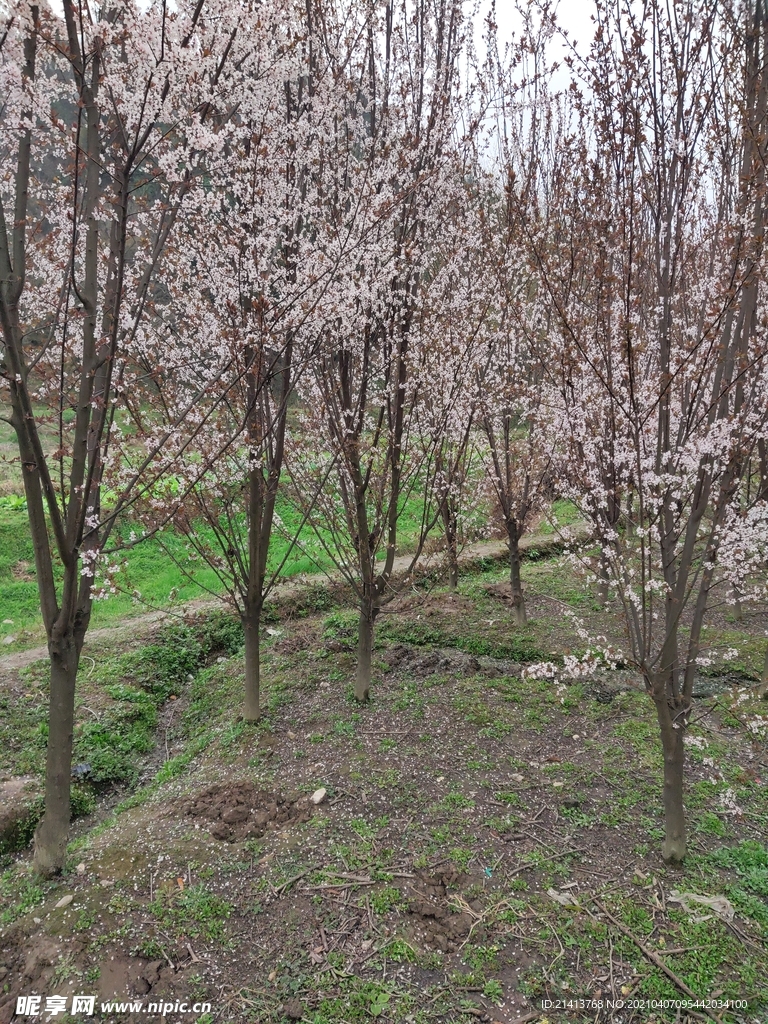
(251, 624)
(516, 585)
(674, 846)
(450, 528)
(51, 833)
(762, 690)
(603, 576)
(364, 651)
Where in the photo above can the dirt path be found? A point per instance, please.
(141, 625)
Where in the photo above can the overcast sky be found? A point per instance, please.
(573, 15)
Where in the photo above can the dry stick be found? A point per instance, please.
(544, 860)
(289, 883)
(655, 959)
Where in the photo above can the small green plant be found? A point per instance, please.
(379, 1002)
(341, 627)
(401, 952)
(195, 911)
(20, 893)
(493, 990)
(383, 900)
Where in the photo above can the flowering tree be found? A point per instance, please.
(392, 179)
(650, 270)
(509, 365)
(106, 124)
(259, 299)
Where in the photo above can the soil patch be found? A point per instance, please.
(241, 811)
(438, 921)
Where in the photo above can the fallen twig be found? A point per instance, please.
(655, 959)
(544, 860)
(286, 885)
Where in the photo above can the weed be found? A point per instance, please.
(195, 911)
(20, 893)
(401, 952)
(384, 900)
(493, 990)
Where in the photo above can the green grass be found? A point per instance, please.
(192, 911)
(150, 575)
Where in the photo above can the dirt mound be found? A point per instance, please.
(239, 810)
(438, 919)
(421, 665)
(501, 591)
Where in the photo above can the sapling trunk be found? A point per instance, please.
(673, 848)
(763, 688)
(450, 527)
(251, 623)
(364, 651)
(51, 833)
(603, 576)
(515, 581)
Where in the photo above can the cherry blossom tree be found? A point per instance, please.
(650, 269)
(259, 297)
(395, 177)
(107, 121)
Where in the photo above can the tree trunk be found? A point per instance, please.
(364, 651)
(251, 623)
(630, 528)
(51, 833)
(674, 846)
(516, 585)
(451, 530)
(762, 690)
(602, 581)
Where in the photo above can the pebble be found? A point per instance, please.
(64, 901)
(318, 796)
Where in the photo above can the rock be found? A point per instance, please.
(293, 1009)
(319, 796)
(19, 811)
(9, 640)
(80, 868)
(64, 901)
